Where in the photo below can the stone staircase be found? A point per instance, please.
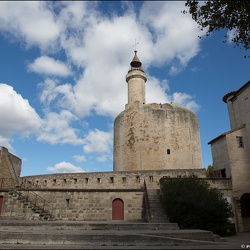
(101, 235)
(31, 204)
(157, 210)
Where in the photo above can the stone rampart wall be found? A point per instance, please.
(106, 180)
(95, 205)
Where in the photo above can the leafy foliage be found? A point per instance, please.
(210, 169)
(191, 203)
(232, 15)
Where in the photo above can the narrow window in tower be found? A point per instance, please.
(67, 202)
(54, 180)
(168, 151)
(111, 179)
(87, 180)
(151, 179)
(99, 180)
(123, 179)
(65, 181)
(75, 180)
(239, 140)
(138, 179)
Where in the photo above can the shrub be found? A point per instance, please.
(191, 203)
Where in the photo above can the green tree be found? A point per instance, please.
(232, 15)
(191, 203)
(210, 169)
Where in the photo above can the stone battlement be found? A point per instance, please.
(105, 180)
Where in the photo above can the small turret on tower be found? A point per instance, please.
(136, 79)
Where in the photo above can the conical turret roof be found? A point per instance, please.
(136, 63)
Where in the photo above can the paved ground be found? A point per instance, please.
(239, 241)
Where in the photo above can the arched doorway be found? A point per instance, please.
(117, 209)
(245, 211)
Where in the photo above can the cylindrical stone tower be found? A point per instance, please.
(154, 136)
(136, 79)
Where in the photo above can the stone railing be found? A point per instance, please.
(36, 201)
(146, 203)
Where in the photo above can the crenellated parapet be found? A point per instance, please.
(123, 180)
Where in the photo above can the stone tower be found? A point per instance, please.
(154, 136)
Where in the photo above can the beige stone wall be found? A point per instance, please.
(156, 137)
(136, 79)
(220, 155)
(239, 108)
(10, 165)
(122, 180)
(227, 154)
(93, 202)
(78, 205)
(239, 163)
(12, 208)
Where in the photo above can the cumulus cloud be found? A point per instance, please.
(32, 22)
(96, 63)
(100, 143)
(56, 129)
(185, 100)
(16, 114)
(49, 66)
(6, 142)
(173, 33)
(65, 167)
(79, 158)
(163, 30)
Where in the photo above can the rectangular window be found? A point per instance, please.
(138, 179)
(75, 180)
(64, 180)
(87, 180)
(111, 179)
(151, 179)
(239, 140)
(168, 151)
(67, 202)
(99, 180)
(123, 179)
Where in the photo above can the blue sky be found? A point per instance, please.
(63, 68)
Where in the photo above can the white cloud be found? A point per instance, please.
(100, 49)
(5, 141)
(98, 142)
(79, 158)
(84, 35)
(64, 167)
(49, 66)
(56, 129)
(231, 34)
(16, 114)
(174, 70)
(174, 34)
(155, 88)
(31, 21)
(102, 158)
(185, 100)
